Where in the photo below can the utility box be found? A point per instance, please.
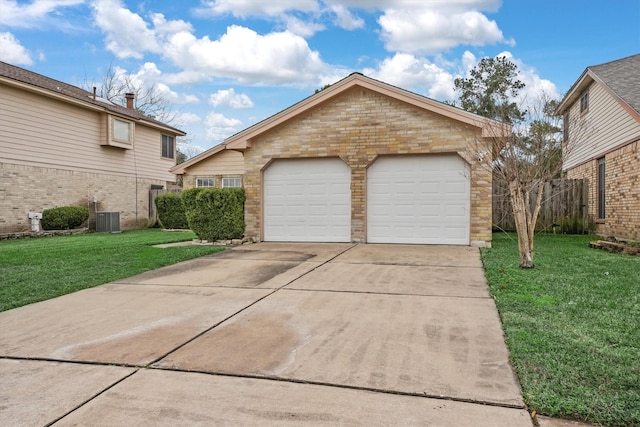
(108, 222)
(35, 218)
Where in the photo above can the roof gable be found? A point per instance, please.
(490, 128)
(50, 87)
(241, 140)
(621, 78)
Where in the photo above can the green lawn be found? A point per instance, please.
(572, 325)
(34, 270)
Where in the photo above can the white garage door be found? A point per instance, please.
(307, 200)
(418, 199)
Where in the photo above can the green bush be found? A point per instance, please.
(64, 218)
(171, 212)
(215, 213)
(195, 220)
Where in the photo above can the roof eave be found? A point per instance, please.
(240, 141)
(88, 104)
(586, 78)
(180, 169)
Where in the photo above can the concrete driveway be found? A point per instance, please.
(269, 334)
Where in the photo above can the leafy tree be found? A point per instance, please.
(531, 155)
(491, 89)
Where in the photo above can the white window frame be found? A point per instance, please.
(208, 179)
(227, 180)
(121, 127)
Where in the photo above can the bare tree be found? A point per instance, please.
(531, 155)
(149, 99)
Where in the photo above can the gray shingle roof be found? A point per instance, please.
(38, 80)
(623, 78)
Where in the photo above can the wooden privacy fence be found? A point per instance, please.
(564, 207)
(153, 211)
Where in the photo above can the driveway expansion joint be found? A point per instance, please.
(342, 386)
(388, 293)
(106, 389)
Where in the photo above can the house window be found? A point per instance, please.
(232, 182)
(168, 150)
(565, 127)
(121, 130)
(205, 182)
(601, 186)
(584, 101)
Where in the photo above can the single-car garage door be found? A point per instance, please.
(418, 199)
(307, 200)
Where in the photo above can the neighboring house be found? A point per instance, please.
(602, 143)
(216, 167)
(62, 146)
(361, 161)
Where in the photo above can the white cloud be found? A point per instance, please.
(419, 74)
(12, 51)
(432, 31)
(301, 27)
(162, 26)
(435, 79)
(345, 19)
(188, 119)
(127, 34)
(251, 58)
(220, 127)
(488, 5)
(229, 98)
(245, 8)
(14, 14)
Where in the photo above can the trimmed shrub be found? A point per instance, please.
(171, 212)
(215, 213)
(64, 218)
(195, 220)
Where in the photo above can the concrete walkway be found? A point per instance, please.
(269, 334)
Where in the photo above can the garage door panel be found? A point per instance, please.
(418, 199)
(307, 200)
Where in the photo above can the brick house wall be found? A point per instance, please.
(358, 125)
(622, 191)
(26, 188)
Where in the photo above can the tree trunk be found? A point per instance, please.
(522, 216)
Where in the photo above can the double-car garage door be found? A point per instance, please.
(419, 199)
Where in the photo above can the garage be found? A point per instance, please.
(307, 200)
(419, 199)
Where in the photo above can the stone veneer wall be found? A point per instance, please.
(30, 188)
(622, 192)
(358, 126)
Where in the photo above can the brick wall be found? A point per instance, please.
(358, 126)
(622, 192)
(29, 188)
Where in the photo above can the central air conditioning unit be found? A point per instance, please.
(108, 222)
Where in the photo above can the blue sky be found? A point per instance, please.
(226, 64)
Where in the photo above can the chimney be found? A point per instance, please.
(130, 97)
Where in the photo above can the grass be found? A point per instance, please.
(572, 325)
(34, 270)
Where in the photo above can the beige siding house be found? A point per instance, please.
(61, 146)
(216, 167)
(601, 142)
(362, 161)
